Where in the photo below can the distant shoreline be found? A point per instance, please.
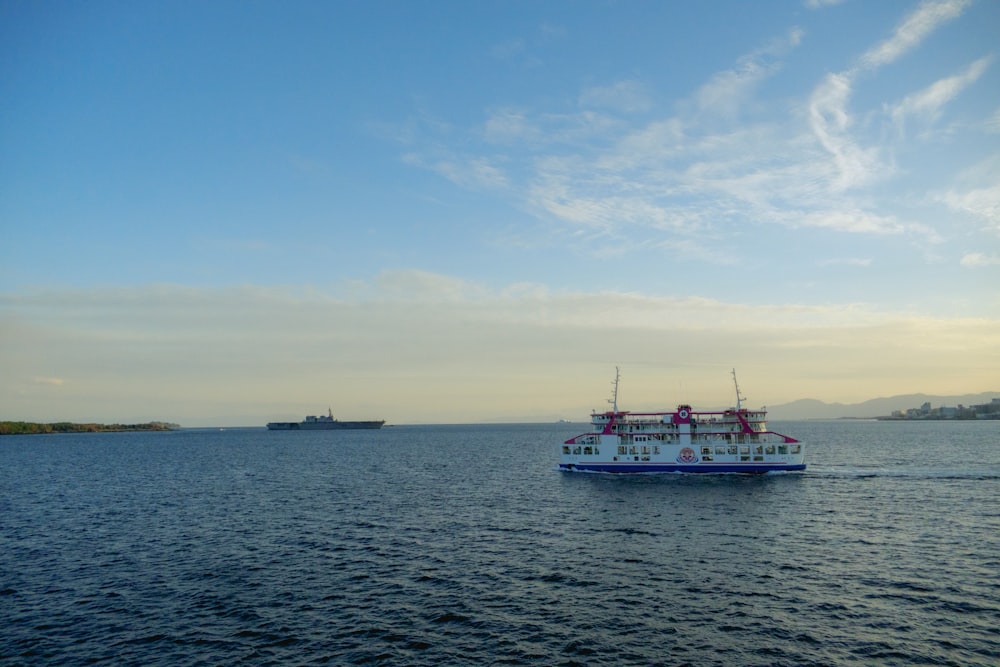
(35, 428)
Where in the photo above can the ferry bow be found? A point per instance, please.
(735, 440)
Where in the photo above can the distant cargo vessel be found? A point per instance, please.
(323, 423)
(733, 440)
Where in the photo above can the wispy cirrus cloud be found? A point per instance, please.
(830, 116)
(728, 90)
(914, 29)
(979, 259)
(976, 191)
(984, 203)
(477, 172)
(831, 123)
(627, 96)
(927, 103)
(847, 261)
(614, 178)
(993, 123)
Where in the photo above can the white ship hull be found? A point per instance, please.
(731, 441)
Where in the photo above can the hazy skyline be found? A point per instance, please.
(225, 213)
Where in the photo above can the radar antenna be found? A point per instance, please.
(614, 397)
(739, 398)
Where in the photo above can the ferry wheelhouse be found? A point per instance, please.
(735, 440)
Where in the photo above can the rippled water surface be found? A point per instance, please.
(463, 544)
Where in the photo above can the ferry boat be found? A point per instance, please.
(323, 423)
(735, 440)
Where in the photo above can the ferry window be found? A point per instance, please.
(597, 451)
(588, 451)
(565, 449)
(744, 457)
(758, 457)
(706, 451)
(656, 449)
(621, 449)
(720, 450)
(576, 450)
(769, 449)
(782, 449)
(744, 450)
(758, 450)
(796, 449)
(632, 450)
(707, 457)
(645, 449)
(732, 450)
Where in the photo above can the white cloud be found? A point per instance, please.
(854, 221)
(831, 124)
(603, 183)
(978, 259)
(927, 103)
(983, 203)
(847, 261)
(506, 125)
(828, 109)
(729, 90)
(993, 123)
(627, 96)
(476, 173)
(913, 30)
(976, 191)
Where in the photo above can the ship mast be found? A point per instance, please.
(739, 398)
(614, 399)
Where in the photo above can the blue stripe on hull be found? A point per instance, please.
(747, 468)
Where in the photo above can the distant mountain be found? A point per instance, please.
(810, 408)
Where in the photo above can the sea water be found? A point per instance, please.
(425, 545)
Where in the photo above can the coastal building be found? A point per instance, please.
(926, 411)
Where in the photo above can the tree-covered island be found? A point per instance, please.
(32, 428)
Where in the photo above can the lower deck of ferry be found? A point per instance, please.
(703, 468)
(718, 457)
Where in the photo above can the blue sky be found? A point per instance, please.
(230, 212)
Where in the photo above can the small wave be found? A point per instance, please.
(149, 639)
(252, 634)
(913, 473)
(450, 617)
(578, 648)
(632, 531)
